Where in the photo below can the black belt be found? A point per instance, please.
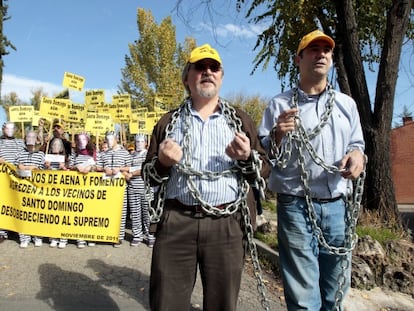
(196, 209)
(317, 200)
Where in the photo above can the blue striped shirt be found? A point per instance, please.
(209, 140)
(342, 133)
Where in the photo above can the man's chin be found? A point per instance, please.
(207, 93)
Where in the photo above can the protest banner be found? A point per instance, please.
(122, 112)
(22, 113)
(62, 204)
(73, 81)
(99, 122)
(54, 108)
(94, 99)
(76, 113)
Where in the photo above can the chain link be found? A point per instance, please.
(238, 170)
(301, 133)
(248, 228)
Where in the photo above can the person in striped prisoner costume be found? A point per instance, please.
(57, 147)
(83, 160)
(116, 162)
(9, 147)
(26, 161)
(138, 205)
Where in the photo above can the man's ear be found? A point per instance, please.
(297, 60)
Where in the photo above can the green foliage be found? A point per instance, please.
(63, 94)
(154, 65)
(382, 235)
(269, 205)
(287, 21)
(253, 105)
(4, 42)
(37, 98)
(269, 239)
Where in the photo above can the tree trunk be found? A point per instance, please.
(382, 193)
(379, 187)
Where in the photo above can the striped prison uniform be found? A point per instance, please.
(138, 205)
(9, 148)
(35, 158)
(117, 158)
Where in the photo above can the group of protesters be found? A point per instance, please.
(203, 156)
(83, 156)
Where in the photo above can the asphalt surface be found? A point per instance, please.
(100, 278)
(105, 278)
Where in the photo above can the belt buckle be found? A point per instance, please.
(198, 212)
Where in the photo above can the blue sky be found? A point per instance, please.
(90, 38)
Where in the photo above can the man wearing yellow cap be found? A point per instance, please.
(313, 133)
(201, 155)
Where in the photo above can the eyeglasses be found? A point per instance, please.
(214, 67)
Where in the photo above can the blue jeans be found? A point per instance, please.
(310, 274)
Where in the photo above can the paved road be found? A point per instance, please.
(94, 278)
(108, 279)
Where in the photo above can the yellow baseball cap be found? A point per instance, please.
(203, 52)
(58, 123)
(312, 36)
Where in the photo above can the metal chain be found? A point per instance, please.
(284, 157)
(301, 139)
(185, 168)
(248, 228)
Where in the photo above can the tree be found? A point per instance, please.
(11, 99)
(63, 94)
(4, 42)
(254, 105)
(154, 65)
(37, 98)
(365, 31)
(406, 113)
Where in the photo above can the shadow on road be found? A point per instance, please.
(132, 282)
(65, 291)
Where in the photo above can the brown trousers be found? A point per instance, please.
(185, 241)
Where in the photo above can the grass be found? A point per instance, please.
(382, 235)
(269, 205)
(371, 223)
(268, 238)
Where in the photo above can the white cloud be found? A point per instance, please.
(233, 30)
(24, 88)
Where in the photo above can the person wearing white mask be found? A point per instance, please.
(26, 161)
(116, 162)
(137, 202)
(9, 147)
